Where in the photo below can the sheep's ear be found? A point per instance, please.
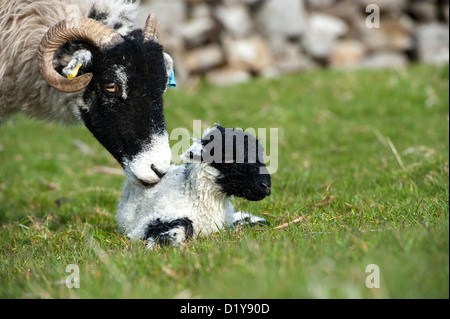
(168, 61)
(80, 59)
(194, 153)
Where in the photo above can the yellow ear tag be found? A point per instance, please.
(75, 72)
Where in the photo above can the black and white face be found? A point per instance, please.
(237, 156)
(123, 106)
(244, 180)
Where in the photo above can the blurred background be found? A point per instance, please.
(233, 41)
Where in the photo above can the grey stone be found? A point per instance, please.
(204, 58)
(235, 19)
(383, 59)
(433, 43)
(282, 18)
(322, 34)
(249, 54)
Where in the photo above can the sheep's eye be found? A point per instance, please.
(112, 88)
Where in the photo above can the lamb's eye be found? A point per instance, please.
(112, 88)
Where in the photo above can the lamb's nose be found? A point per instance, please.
(266, 187)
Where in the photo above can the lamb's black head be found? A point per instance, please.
(124, 79)
(238, 157)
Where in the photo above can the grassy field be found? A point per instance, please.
(363, 158)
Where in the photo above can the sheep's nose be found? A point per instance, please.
(266, 187)
(158, 172)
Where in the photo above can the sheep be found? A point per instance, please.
(194, 198)
(84, 61)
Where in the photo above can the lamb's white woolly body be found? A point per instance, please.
(192, 199)
(187, 191)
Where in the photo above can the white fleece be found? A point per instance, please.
(187, 191)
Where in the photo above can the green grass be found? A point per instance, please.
(363, 156)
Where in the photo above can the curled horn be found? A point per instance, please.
(83, 29)
(151, 30)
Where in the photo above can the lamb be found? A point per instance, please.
(193, 199)
(84, 61)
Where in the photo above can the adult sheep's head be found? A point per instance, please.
(123, 78)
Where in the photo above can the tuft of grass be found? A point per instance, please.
(363, 156)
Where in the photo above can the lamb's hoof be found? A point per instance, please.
(174, 237)
(169, 233)
(247, 220)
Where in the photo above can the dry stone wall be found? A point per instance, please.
(231, 41)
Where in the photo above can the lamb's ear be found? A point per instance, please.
(211, 129)
(194, 153)
(168, 61)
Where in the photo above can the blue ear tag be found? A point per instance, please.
(172, 83)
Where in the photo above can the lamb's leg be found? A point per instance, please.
(166, 233)
(246, 219)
